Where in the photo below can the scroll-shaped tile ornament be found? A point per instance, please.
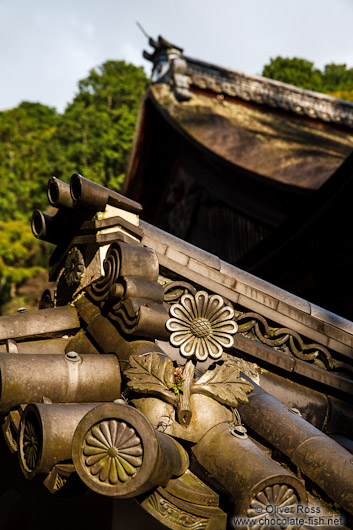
(202, 325)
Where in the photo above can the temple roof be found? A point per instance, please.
(256, 182)
(271, 144)
(278, 131)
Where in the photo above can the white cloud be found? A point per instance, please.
(47, 46)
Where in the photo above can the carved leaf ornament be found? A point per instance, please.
(223, 384)
(151, 375)
(202, 325)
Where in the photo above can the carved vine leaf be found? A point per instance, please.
(152, 375)
(223, 384)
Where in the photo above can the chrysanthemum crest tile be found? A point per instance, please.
(202, 325)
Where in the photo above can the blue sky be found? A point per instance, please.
(46, 46)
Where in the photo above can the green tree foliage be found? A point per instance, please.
(92, 137)
(334, 79)
(21, 256)
(298, 72)
(337, 77)
(26, 133)
(96, 129)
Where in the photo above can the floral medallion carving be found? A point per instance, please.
(277, 496)
(74, 267)
(202, 325)
(31, 444)
(113, 452)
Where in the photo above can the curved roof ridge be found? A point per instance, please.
(256, 77)
(262, 90)
(185, 73)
